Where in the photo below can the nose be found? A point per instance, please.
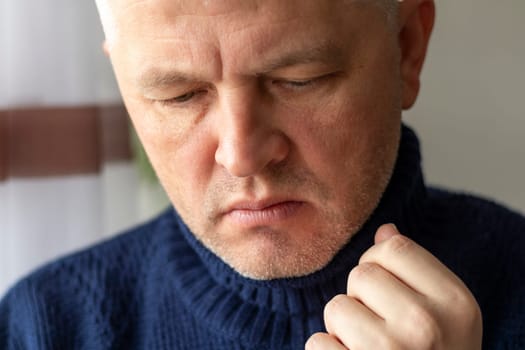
(249, 138)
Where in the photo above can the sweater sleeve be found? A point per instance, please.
(19, 326)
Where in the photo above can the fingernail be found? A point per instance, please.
(393, 226)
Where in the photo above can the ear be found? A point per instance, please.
(416, 23)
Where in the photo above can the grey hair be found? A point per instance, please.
(111, 31)
(109, 25)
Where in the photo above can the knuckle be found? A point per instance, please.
(475, 318)
(457, 295)
(463, 301)
(389, 343)
(423, 329)
(462, 298)
(467, 314)
(334, 305)
(363, 270)
(334, 311)
(361, 273)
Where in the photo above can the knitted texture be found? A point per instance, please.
(157, 287)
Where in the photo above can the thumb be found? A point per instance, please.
(385, 232)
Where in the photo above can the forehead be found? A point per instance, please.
(233, 35)
(165, 14)
(221, 7)
(138, 20)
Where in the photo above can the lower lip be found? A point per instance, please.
(266, 216)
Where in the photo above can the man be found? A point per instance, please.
(275, 128)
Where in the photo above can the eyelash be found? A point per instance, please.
(299, 84)
(181, 100)
(303, 84)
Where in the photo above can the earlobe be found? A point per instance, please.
(416, 23)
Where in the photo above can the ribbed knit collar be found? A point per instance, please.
(274, 314)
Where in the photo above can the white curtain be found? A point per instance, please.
(51, 55)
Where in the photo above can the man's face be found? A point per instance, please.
(273, 125)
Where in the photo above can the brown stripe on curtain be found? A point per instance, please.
(3, 145)
(37, 142)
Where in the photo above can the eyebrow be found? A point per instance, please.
(326, 53)
(155, 78)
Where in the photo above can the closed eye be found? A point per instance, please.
(301, 84)
(182, 99)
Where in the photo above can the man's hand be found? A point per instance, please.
(400, 297)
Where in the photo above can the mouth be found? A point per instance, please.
(263, 213)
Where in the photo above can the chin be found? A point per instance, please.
(266, 272)
(278, 263)
(286, 252)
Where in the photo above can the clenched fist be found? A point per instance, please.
(400, 297)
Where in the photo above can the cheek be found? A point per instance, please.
(328, 134)
(183, 164)
(348, 143)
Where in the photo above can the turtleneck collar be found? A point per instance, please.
(277, 312)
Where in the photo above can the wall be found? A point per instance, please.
(470, 115)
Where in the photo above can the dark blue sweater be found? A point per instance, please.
(156, 287)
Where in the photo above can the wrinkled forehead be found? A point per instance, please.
(132, 16)
(216, 7)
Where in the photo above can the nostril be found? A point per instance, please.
(281, 148)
